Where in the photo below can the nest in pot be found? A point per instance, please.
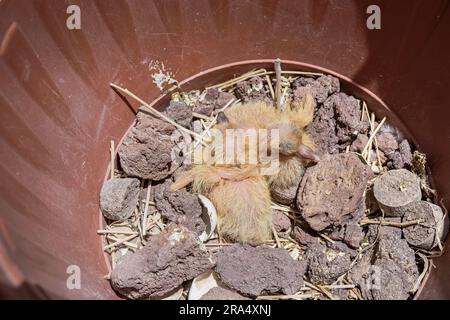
(360, 223)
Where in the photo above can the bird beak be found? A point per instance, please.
(307, 153)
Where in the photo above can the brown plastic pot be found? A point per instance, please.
(58, 114)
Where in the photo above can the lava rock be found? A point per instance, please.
(179, 112)
(303, 234)
(405, 151)
(119, 197)
(183, 142)
(179, 206)
(337, 123)
(351, 233)
(371, 203)
(342, 247)
(398, 270)
(253, 90)
(320, 88)
(221, 293)
(348, 116)
(281, 222)
(146, 152)
(402, 158)
(323, 131)
(395, 189)
(325, 265)
(387, 272)
(387, 142)
(257, 270)
(362, 272)
(162, 265)
(385, 232)
(431, 230)
(359, 143)
(332, 192)
(213, 101)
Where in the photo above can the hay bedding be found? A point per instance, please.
(361, 224)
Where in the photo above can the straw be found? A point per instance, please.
(154, 111)
(112, 155)
(277, 66)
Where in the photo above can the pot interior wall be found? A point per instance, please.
(58, 114)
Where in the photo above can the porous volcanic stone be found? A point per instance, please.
(179, 206)
(359, 143)
(118, 198)
(384, 231)
(319, 88)
(405, 151)
(146, 152)
(281, 222)
(336, 124)
(179, 112)
(257, 270)
(433, 226)
(387, 143)
(396, 263)
(162, 265)
(213, 101)
(222, 293)
(395, 189)
(401, 158)
(332, 192)
(351, 233)
(253, 90)
(387, 272)
(303, 234)
(325, 265)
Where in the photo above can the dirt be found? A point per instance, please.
(259, 270)
(146, 150)
(332, 192)
(179, 206)
(319, 88)
(119, 197)
(395, 189)
(253, 90)
(337, 123)
(213, 101)
(162, 265)
(433, 226)
(325, 265)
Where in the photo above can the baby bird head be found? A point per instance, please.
(295, 142)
